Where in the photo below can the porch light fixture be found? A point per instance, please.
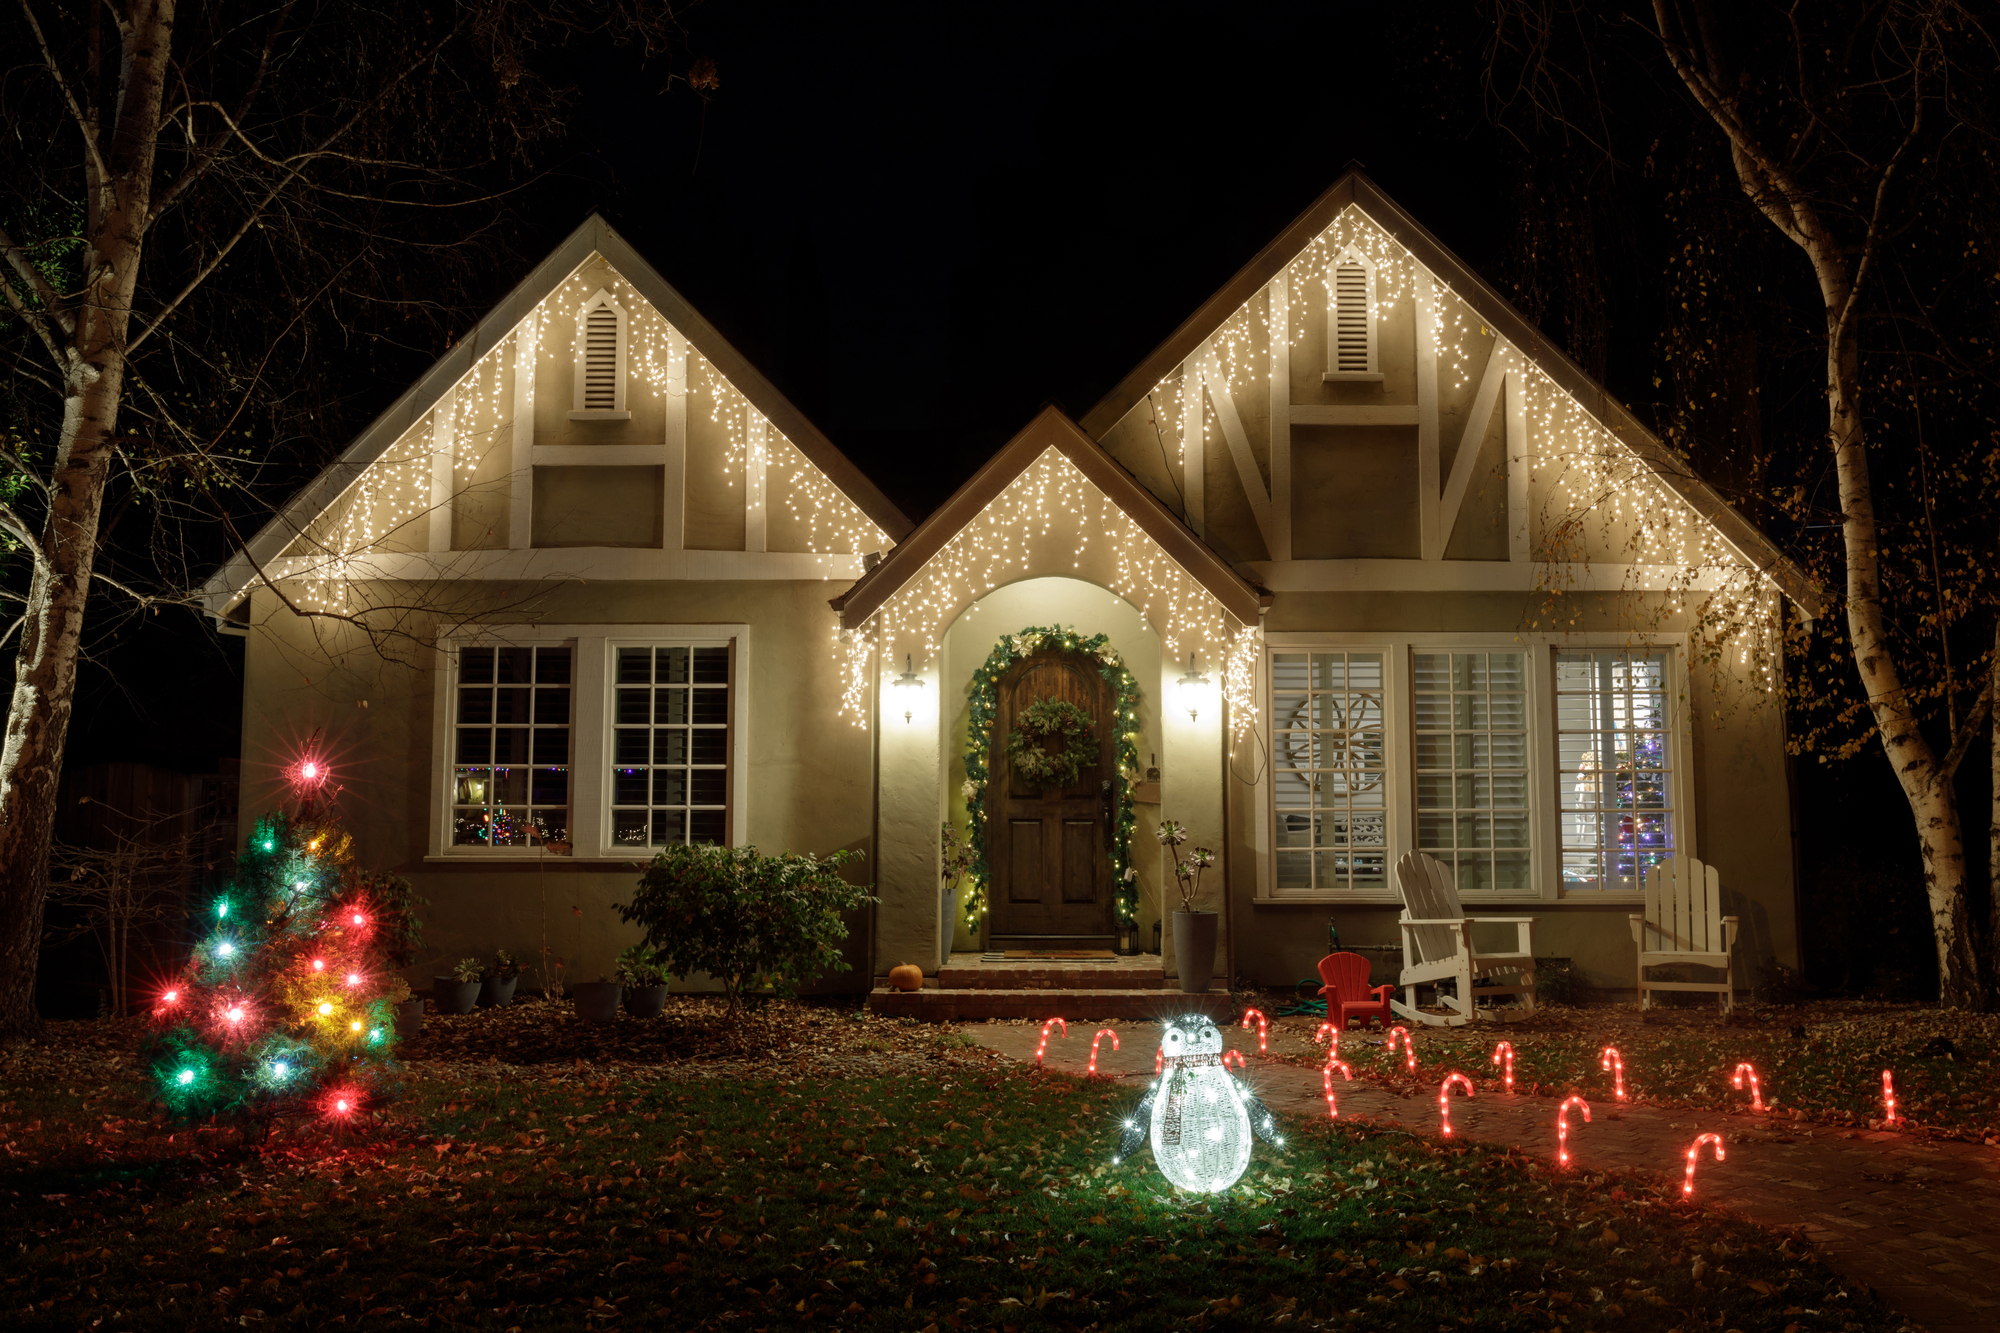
(1193, 688)
(909, 680)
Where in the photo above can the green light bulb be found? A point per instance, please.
(222, 907)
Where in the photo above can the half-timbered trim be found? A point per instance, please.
(1508, 325)
(692, 334)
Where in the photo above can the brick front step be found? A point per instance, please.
(943, 1005)
(1050, 976)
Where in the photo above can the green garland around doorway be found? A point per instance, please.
(1010, 649)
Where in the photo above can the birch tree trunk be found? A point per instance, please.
(1842, 273)
(118, 171)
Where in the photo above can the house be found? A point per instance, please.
(1354, 563)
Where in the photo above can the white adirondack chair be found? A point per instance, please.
(1683, 923)
(1437, 946)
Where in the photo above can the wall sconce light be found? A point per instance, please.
(1193, 689)
(909, 681)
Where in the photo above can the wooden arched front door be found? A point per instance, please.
(1050, 849)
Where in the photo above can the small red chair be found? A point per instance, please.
(1349, 997)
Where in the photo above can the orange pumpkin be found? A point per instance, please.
(908, 976)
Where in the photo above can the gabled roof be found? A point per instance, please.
(1354, 188)
(594, 236)
(1051, 429)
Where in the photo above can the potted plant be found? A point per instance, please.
(596, 1001)
(496, 986)
(457, 993)
(409, 1008)
(644, 978)
(1194, 929)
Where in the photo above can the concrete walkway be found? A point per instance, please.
(1913, 1220)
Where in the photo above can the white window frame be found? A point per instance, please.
(1680, 734)
(592, 667)
(616, 412)
(1334, 374)
(1544, 809)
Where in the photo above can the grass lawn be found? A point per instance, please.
(1823, 1061)
(959, 1194)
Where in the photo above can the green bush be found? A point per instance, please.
(737, 915)
(395, 905)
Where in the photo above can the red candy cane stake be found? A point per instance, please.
(1409, 1047)
(1328, 1032)
(1756, 1094)
(1263, 1028)
(1102, 1033)
(1159, 1059)
(1503, 1055)
(1326, 1077)
(1888, 1098)
(1444, 1097)
(1694, 1152)
(1237, 1054)
(1614, 1065)
(1043, 1049)
(1562, 1126)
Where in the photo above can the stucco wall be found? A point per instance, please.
(811, 787)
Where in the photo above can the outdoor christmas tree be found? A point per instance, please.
(285, 1007)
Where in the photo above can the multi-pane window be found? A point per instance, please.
(670, 746)
(1471, 713)
(511, 747)
(1616, 781)
(1329, 775)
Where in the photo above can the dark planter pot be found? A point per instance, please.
(453, 996)
(1194, 949)
(645, 1001)
(493, 992)
(410, 1017)
(596, 1001)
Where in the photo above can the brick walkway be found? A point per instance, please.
(1913, 1220)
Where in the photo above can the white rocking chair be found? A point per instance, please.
(1437, 946)
(1683, 923)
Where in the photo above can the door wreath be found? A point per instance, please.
(1034, 725)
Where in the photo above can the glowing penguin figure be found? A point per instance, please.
(1201, 1119)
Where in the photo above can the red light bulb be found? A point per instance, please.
(311, 769)
(170, 997)
(341, 1106)
(319, 964)
(236, 1015)
(354, 978)
(358, 918)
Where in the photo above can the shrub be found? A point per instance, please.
(396, 905)
(737, 914)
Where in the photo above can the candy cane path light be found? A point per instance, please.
(1237, 1056)
(1102, 1033)
(1263, 1028)
(1562, 1126)
(1613, 1064)
(1331, 1033)
(1409, 1047)
(1326, 1079)
(1888, 1098)
(1756, 1094)
(1694, 1152)
(1503, 1055)
(1444, 1097)
(1043, 1049)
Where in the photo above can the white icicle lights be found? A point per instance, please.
(1052, 521)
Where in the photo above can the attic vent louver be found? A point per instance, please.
(1350, 322)
(600, 361)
